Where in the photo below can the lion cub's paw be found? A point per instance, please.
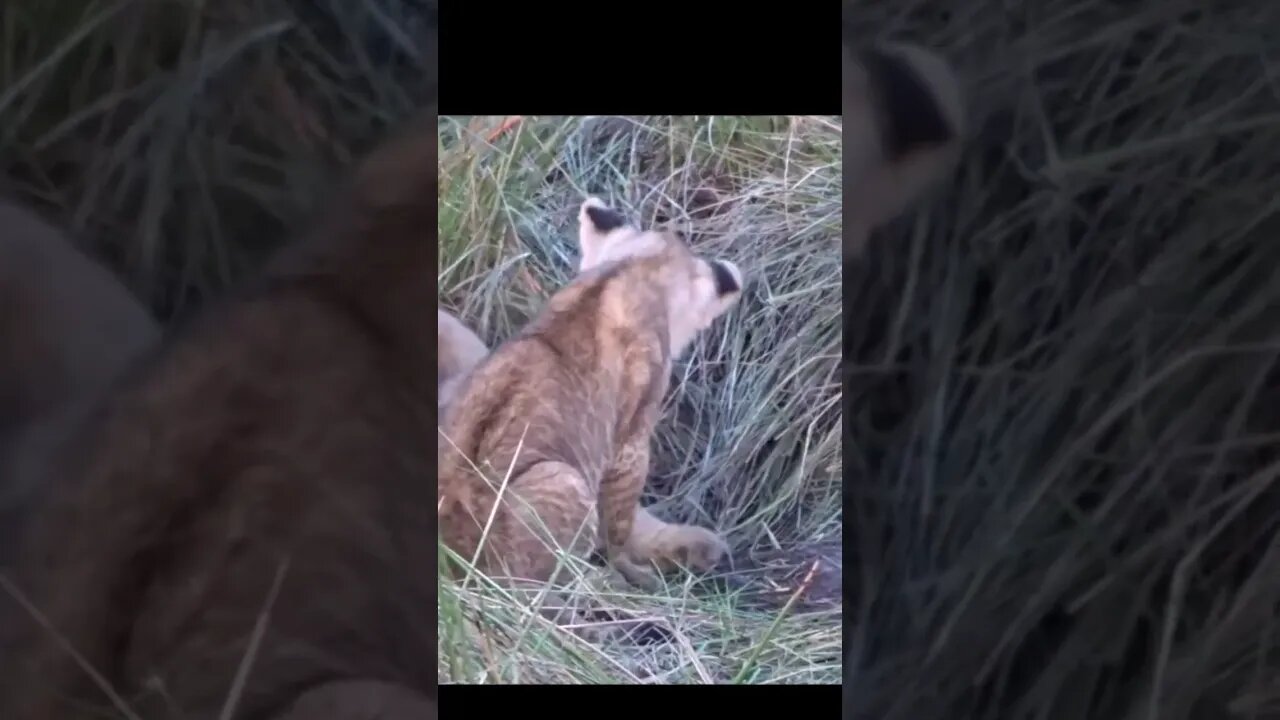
(636, 573)
(696, 548)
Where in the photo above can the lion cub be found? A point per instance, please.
(546, 443)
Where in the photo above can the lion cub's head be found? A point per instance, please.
(698, 290)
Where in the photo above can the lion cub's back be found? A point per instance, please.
(527, 402)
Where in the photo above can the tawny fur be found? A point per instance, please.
(562, 414)
(459, 354)
(903, 127)
(279, 439)
(460, 350)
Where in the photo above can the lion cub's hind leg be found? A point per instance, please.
(673, 545)
(546, 509)
(619, 501)
(633, 538)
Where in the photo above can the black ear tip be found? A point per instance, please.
(604, 219)
(727, 281)
(911, 113)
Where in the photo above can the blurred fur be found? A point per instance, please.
(272, 458)
(68, 331)
(903, 127)
(458, 349)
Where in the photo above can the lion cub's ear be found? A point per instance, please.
(596, 221)
(917, 97)
(727, 277)
(721, 289)
(905, 125)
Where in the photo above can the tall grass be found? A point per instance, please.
(749, 443)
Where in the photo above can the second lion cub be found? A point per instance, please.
(546, 442)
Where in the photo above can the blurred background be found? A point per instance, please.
(1063, 388)
(179, 142)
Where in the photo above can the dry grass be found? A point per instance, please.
(1064, 380)
(749, 443)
